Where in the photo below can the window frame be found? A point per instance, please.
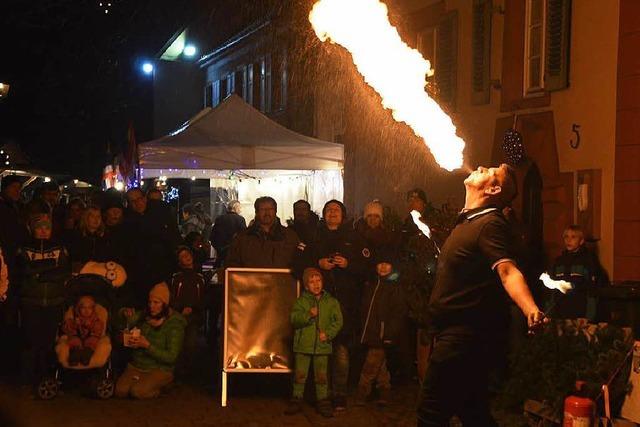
(530, 91)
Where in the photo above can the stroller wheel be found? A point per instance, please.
(48, 388)
(105, 388)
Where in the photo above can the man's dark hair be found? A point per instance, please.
(265, 199)
(153, 190)
(134, 189)
(302, 202)
(189, 209)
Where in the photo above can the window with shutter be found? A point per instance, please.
(481, 52)
(558, 34)
(446, 59)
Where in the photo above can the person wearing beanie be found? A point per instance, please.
(343, 258)
(43, 269)
(156, 335)
(372, 229)
(316, 318)
(384, 317)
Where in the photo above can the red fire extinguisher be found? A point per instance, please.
(579, 410)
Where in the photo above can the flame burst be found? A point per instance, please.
(396, 71)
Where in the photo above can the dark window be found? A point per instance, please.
(223, 89)
(239, 83)
(446, 69)
(278, 82)
(481, 52)
(258, 84)
(558, 30)
(208, 95)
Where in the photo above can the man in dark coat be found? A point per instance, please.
(266, 243)
(343, 259)
(305, 222)
(225, 228)
(154, 237)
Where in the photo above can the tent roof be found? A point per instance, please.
(234, 135)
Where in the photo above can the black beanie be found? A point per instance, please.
(384, 254)
(339, 203)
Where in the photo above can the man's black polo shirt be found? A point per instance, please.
(468, 294)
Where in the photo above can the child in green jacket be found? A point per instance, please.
(317, 319)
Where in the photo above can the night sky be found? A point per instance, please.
(75, 77)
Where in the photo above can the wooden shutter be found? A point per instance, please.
(557, 42)
(216, 93)
(481, 52)
(447, 60)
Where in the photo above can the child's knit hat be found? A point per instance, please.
(161, 292)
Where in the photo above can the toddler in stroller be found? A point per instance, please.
(83, 330)
(84, 343)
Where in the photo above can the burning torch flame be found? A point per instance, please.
(560, 285)
(396, 71)
(424, 228)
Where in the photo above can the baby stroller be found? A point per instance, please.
(99, 366)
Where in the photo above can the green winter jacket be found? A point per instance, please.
(329, 320)
(166, 342)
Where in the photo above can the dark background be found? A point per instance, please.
(75, 74)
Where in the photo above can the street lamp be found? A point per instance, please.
(190, 50)
(147, 68)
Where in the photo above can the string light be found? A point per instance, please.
(513, 147)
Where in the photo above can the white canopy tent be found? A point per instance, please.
(234, 144)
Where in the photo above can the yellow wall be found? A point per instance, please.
(590, 100)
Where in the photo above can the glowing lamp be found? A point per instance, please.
(190, 50)
(147, 68)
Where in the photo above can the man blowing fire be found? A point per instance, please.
(468, 308)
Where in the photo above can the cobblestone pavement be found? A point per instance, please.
(185, 405)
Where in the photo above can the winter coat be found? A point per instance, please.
(305, 231)
(345, 284)
(188, 290)
(306, 338)
(255, 248)
(582, 269)
(193, 224)
(90, 247)
(44, 269)
(224, 230)
(13, 234)
(166, 342)
(384, 312)
(83, 332)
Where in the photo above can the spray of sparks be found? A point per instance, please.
(560, 285)
(396, 71)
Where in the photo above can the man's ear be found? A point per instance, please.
(493, 190)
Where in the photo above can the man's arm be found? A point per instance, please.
(515, 285)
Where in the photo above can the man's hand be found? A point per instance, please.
(340, 261)
(326, 264)
(322, 336)
(187, 311)
(128, 312)
(313, 312)
(536, 321)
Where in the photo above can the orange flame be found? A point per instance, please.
(396, 71)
